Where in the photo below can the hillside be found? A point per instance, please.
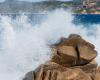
(31, 7)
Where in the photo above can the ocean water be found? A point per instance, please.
(86, 19)
(25, 39)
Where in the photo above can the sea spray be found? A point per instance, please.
(25, 46)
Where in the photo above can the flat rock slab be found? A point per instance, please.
(86, 54)
(68, 54)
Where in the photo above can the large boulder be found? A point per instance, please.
(74, 50)
(73, 59)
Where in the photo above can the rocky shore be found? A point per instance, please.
(73, 59)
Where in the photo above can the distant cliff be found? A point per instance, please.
(13, 6)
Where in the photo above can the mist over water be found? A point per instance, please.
(24, 46)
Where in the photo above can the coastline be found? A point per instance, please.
(87, 13)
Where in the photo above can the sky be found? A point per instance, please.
(35, 0)
(1, 0)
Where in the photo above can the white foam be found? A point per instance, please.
(24, 46)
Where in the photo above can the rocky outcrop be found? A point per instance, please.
(84, 51)
(73, 59)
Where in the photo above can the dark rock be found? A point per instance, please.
(29, 76)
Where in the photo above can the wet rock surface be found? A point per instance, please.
(73, 59)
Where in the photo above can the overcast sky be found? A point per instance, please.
(36, 0)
